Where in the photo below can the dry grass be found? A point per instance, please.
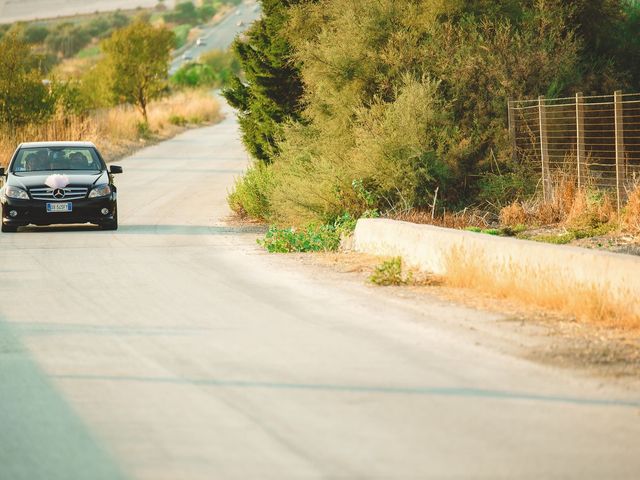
(117, 131)
(456, 220)
(513, 215)
(568, 206)
(631, 214)
(548, 290)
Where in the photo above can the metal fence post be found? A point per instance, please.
(544, 150)
(580, 150)
(512, 131)
(620, 154)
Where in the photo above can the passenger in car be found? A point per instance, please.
(59, 161)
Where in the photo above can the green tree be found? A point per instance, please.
(271, 94)
(23, 96)
(138, 57)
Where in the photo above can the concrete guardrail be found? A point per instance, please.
(540, 265)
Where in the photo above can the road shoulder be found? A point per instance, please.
(509, 327)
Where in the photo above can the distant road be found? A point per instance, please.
(221, 35)
(17, 10)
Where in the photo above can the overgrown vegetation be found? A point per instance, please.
(398, 106)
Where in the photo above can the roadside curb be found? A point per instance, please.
(438, 250)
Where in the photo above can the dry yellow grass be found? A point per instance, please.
(546, 289)
(457, 220)
(116, 131)
(513, 215)
(631, 215)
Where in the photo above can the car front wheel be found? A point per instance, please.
(8, 229)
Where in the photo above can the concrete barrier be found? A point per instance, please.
(433, 249)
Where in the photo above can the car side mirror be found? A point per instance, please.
(2, 172)
(114, 169)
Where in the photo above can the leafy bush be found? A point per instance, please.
(250, 195)
(323, 238)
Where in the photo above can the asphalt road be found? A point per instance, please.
(221, 35)
(175, 349)
(22, 10)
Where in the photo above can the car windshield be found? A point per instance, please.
(47, 159)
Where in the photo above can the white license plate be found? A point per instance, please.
(59, 207)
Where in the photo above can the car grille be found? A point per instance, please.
(70, 193)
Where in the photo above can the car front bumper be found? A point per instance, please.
(34, 212)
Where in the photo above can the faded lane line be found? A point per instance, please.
(426, 391)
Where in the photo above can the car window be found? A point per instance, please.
(56, 158)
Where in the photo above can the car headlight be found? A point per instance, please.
(15, 192)
(100, 191)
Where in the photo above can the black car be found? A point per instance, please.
(58, 183)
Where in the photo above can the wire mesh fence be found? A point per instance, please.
(594, 139)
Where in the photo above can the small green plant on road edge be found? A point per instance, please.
(389, 273)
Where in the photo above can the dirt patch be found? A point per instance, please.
(616, 243)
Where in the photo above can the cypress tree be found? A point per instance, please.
(271, 92)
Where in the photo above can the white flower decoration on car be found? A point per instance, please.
(56, 181)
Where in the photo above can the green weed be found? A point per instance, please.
(389, 273)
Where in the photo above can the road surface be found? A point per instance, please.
(23, 10)
(175, 349)
(221, 35)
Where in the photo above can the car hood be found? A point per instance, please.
(27, 180)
